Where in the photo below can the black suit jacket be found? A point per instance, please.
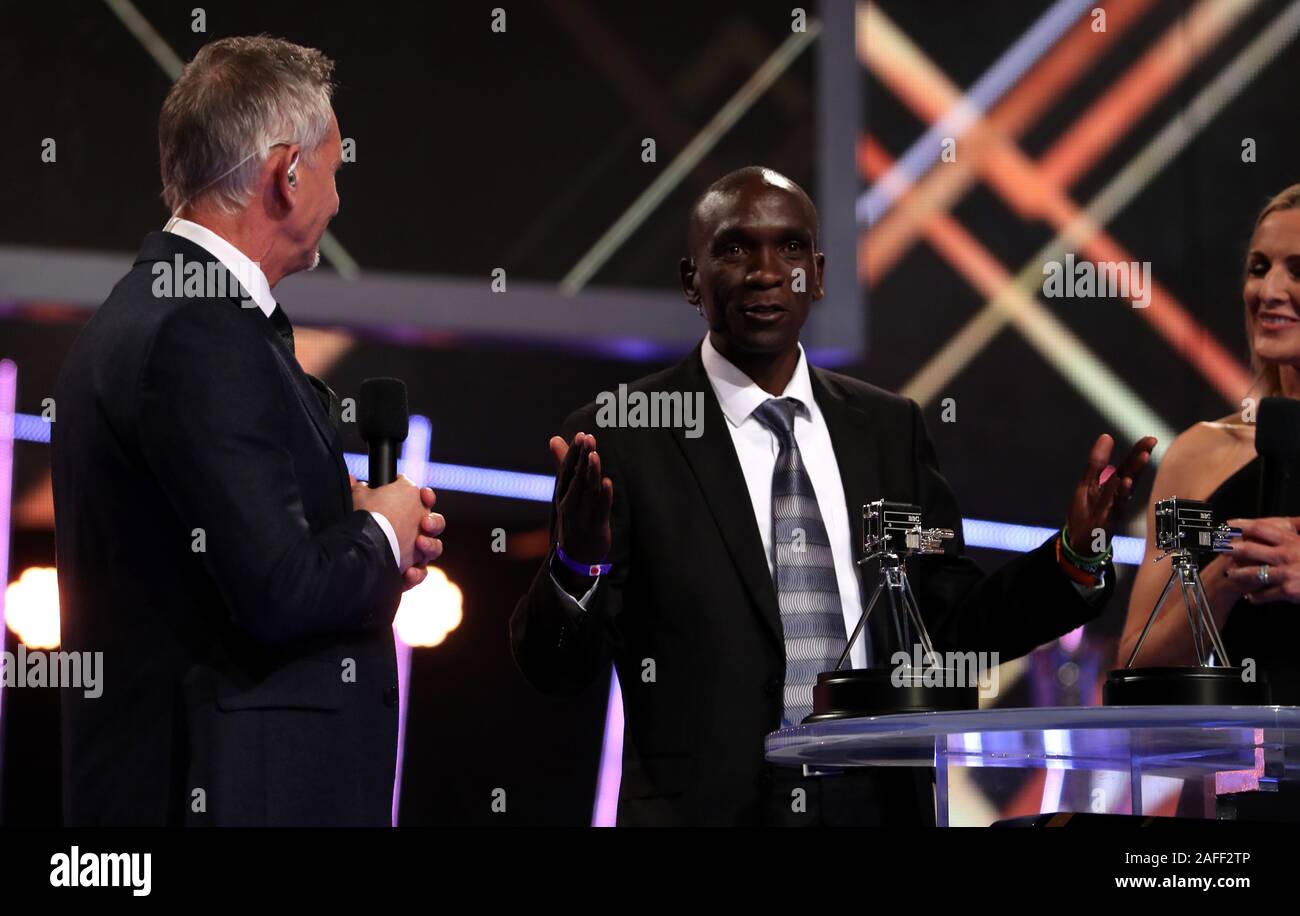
(207, 545)
(690, 589)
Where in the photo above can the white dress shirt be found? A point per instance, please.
(249, 274)
(757, 448)
(247, 271)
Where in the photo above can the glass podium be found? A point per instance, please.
(1213, 750)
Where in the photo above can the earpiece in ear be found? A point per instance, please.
(293, 172)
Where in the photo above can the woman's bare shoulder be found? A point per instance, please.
(1206, 453)
(1225, 432)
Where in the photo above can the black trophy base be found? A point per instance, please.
(1192, 686)
(882, 691)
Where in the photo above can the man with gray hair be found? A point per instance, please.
(210, 542)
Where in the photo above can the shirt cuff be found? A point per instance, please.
(570, 602)
(387, 527)
(1091, 593)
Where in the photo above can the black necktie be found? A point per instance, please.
(282, 327)
(329, 401)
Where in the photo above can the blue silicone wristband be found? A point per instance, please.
(582, 569)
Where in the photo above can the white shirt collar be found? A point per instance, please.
(739, 395)
(241, 267)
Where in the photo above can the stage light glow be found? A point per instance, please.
(30, 427)
(996, 82)
(32, 607)
(1024, 538)
(429, 611)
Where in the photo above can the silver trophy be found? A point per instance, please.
(891, 532)
(1185, 529)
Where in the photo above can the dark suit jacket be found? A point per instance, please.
(259, 669)
(690, 589)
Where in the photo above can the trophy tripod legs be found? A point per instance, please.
(907, 615)
(1193, 609)
(1199, 617)
(1208, 626)
(900, 597)
(1213, 681)
(857, 631)
(879, 690)
(1184, 530)
(1155, 612)
(915, 610)
(897, 616)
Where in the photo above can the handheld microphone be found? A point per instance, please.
(383, 418)
(1277, 441)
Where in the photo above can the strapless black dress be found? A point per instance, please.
(1268, 633)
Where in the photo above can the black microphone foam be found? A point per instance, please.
(1277, 432)
(381, 410)
(1277, 442)
(382, 419)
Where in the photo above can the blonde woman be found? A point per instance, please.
(1253, 592)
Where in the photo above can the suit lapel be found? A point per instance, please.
(713, 461)
(856, 451)
(307, 396)
(311, 403)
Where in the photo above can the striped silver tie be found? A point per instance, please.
(807, 591)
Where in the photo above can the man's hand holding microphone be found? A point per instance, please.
(383, 418)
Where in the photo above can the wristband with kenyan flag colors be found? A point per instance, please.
(1084, 577)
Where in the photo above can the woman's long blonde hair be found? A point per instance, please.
(1268, 377)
